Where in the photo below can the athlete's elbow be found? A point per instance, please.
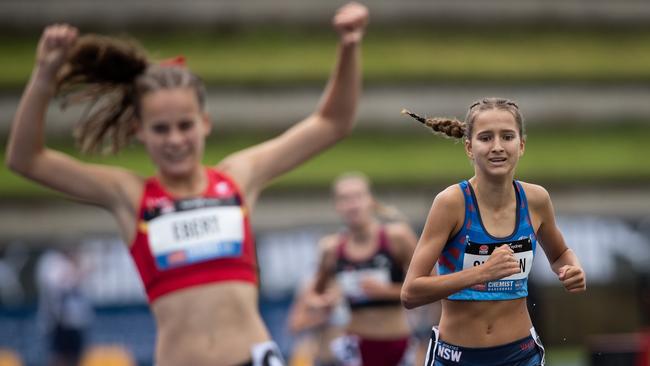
(24, 162)
(408, 298)
(344, 128)
(340, 125)
(14, 164)
(19, 166)
(407, 304)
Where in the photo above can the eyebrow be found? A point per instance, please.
(492, 131)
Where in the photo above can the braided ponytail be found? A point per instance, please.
(448, 127)
(452, 127)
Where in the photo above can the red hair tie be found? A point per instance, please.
(174, 61)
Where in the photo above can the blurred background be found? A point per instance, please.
(579, 69)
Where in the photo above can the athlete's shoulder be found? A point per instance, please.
(401, 239)
(328, 243)
(399, 231)
(397, 228)
(450, 198)
(536, 195)
(132, 184)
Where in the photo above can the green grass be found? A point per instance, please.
(566, 356)
(268, 57)
(597, 156)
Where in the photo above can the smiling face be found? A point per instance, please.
(496, 144)
(173, 129)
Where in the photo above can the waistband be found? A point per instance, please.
(506, 354)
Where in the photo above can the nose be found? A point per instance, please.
(175, 136)
(497, 146)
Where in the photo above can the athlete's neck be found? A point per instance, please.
(361, 234)
(185, 186)
(494, 194)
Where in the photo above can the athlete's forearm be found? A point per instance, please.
(26, 139)
(321, 283)
(428, 289)
(387, 292)
(567, 258)
(339, 100)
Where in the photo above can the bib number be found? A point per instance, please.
(181, 238)
(477, 254)
(350, 281)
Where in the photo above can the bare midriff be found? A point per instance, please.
(213, 324)
(379, 323)
(478, 324)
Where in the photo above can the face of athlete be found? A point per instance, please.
(353, 201)
(496, 144)
(173, 129)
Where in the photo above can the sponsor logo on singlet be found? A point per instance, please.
(483, 249)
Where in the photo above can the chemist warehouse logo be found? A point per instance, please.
(450, 354)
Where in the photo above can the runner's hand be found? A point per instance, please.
(501, 263)
(53, 47)
(325, 301)
(350, 22)
(573, 278)
(374, 289)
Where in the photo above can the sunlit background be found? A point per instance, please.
(579, 69)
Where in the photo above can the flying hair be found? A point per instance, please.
(454, 128)
(110, 76)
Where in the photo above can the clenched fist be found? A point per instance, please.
(573, 278)
(501, 263)
(53, 47)
(350, 22)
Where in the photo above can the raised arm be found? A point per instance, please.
(333, 119)
(26, 152)
(444, 220)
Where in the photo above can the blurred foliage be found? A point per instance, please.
(598, 155)
(287, 56)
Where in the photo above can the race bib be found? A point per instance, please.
(476, 254)
(350, 281)
(198, 235)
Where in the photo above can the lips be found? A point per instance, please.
(497, 160)
(175, 156)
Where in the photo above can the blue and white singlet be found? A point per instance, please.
(472, 246)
